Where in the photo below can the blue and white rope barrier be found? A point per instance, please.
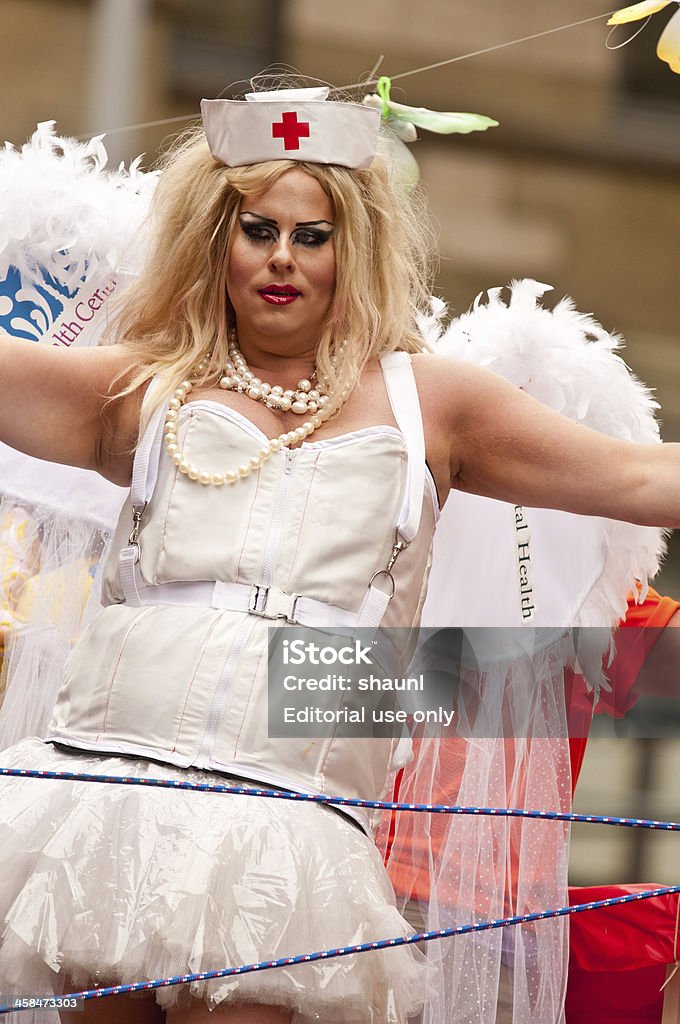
(363, 947)
(341, 801)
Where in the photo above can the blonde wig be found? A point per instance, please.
(177, 314)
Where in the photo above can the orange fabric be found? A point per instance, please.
(655, 610)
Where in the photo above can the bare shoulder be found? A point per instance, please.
(431, 366)
(448, 382)
(424, 362)
(461, 404)
(111, 364)
(441, 386)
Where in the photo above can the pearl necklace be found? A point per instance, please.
(238, 377)
(303, 400)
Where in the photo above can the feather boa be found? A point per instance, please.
(63, 211)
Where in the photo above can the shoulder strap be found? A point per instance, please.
(144, 477)
(403, 395)
(147, 454)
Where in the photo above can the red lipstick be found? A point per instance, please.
(279, 294)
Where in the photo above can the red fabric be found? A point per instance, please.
(577, 753)
(632, 650)
(622, 997)
(618, 956)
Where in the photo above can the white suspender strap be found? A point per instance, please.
(128, 574)
(403, 396)
(144, 477)
(374, 605)
(147, 455)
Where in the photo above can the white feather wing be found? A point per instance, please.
(579, 569)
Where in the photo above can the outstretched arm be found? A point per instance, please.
(504, 444)
(54, 406)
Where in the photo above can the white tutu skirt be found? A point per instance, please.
(103, 884)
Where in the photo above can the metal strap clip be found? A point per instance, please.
(397, 548)
(133, 539)
(272, 603)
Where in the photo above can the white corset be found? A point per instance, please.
(186, 683)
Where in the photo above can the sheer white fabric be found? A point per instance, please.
(57, 599)
(509, 748)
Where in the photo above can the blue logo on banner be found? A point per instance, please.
(30, 310)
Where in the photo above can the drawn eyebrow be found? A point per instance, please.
(265, 220)
(275, 223)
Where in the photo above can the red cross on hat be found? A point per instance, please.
(290, 130)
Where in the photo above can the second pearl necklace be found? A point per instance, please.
(238, 377)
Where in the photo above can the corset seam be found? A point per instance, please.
(116, 666)
(197, 666)
(302, 520)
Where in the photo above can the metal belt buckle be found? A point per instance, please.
(272, 603)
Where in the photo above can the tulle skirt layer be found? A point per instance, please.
(107, 884)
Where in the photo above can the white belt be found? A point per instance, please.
(267, 602)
